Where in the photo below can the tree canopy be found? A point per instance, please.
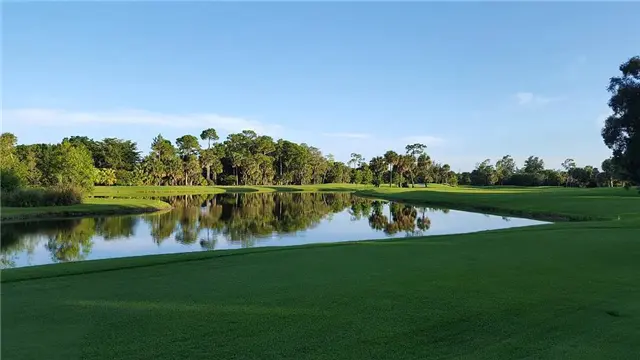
(247, 158)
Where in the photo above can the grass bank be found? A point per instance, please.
(90, 206)
(550, 203)
(566, 291)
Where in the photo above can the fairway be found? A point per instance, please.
(567, 290)
(90, 206)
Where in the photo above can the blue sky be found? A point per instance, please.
(471, 80)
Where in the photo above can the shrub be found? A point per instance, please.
(23, 197)
(63, 195)
(55, 196)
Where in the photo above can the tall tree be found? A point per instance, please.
(533, 165)
(209, 135)
(187, 145)
(209, 159)
(568, 165)
(356, 160)
(415, 149)
(505, 167)
(378, 167)
(406, 165)
(621, 131)
(423, 168)
(484, 174)
(391, 157)
(189, 148)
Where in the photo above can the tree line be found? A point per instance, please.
(533, 173)
(247, 158)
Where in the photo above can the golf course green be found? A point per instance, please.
(567, 290)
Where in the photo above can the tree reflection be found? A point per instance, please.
(377, 220)
(72, 244)
(210, 222)
(115, 227)
(423, 222)
(240, 219)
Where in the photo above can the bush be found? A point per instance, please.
(55, 196)
(63, 195)
(23, 197)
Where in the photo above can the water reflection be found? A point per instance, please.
(231, 221)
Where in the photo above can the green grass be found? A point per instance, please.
(541, 202)
(140, 191)
(91, 206)
(563, 291)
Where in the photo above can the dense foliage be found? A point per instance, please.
(534, 173)
(57, 174)
(247, 158)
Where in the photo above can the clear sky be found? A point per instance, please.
(471, 80)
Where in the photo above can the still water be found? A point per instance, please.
(230, 221)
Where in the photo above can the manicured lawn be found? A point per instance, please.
(137, 191)
(572, 203)
(91, 206)
(563, 291)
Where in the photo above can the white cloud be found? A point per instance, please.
(528, 98)
(431, 141)
(348, 135)
(59, 117)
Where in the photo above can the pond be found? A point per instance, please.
(230, 221)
